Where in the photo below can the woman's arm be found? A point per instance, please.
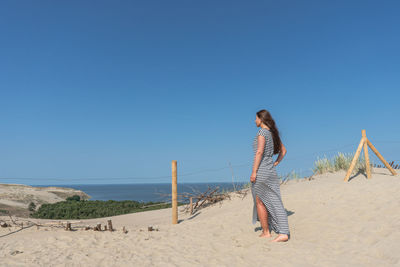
(282, 153)
(258, 157)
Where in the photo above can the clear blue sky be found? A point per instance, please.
(118, 89)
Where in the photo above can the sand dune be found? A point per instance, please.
(332, 223)
(17, 196)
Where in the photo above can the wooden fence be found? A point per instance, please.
(392, 164)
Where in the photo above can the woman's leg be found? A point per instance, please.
(263, 216)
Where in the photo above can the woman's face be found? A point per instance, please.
(258, 121)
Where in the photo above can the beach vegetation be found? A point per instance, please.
(235, 187)
(32, 206)
(74, 198)
(245, 185)
(294, 175)
(3, 211)
(86, 209)
(340, 161)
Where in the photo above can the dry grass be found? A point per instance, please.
(341, 161)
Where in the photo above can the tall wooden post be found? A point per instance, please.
(355, 158)
(110, 227)
(174, 193)
(380, 157)
(366, 156)
(364, 143)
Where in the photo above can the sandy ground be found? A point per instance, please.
(332, 223)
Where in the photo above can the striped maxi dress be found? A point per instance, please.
(267, 187)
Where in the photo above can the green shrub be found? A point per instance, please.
(74, 198)
(93, 209)
(4, 211)
(32, 206)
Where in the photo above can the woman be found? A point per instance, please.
(268, 206)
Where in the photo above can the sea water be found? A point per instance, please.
(145, 192)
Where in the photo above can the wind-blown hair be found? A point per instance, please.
(267, 119)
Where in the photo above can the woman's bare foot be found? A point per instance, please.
(281, 238)
(265, 234)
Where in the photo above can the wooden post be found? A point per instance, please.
(366, 156)
(191, 205)
(364, 143)
(174, 193)
(68, 228)
(110, 227)
(355, 158)
(380, 157)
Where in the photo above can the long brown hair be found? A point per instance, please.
(267, 119)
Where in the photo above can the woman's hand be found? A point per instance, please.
(282, 153)
(253, 177)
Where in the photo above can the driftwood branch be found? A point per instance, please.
(197, 200)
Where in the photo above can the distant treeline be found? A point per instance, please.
(74, 208)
